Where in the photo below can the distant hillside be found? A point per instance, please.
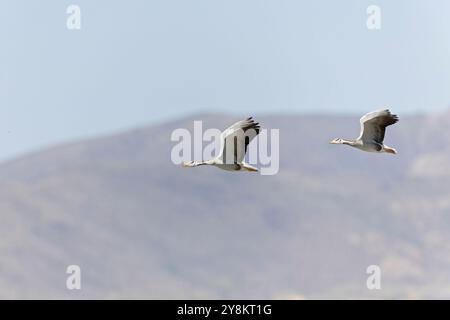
(141, 227)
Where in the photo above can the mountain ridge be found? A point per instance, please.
(141, 227)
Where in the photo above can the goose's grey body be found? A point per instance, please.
(234, 142)
(373, 129)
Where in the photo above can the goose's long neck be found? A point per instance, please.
(349, 142)
(206, 162)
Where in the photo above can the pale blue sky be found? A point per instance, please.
(141, 62)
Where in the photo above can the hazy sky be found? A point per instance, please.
(140, 62)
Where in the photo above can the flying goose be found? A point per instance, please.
(234, 142)
(373, 128)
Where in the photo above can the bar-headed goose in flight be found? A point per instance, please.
(233, 142)
(373, 128)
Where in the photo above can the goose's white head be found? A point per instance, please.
(337, 141)
(190, 164)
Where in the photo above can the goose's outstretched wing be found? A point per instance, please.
(373, 125)
(235, 140)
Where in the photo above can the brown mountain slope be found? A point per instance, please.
(141, 227)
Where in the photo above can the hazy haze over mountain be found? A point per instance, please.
(141, 227)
